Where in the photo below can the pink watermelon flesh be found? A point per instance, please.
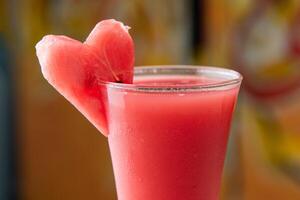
(77, 70)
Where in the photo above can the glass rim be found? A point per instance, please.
(235, 80)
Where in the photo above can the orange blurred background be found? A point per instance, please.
(49, 151)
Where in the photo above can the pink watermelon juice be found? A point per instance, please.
(168, 132)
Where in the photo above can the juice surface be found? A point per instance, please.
(169, 145)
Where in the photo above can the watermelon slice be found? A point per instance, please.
(77, 70)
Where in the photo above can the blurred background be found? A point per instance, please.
(49, 151)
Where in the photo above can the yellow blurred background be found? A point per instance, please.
(49, 151)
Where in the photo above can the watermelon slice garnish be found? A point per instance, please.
(77, 70)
